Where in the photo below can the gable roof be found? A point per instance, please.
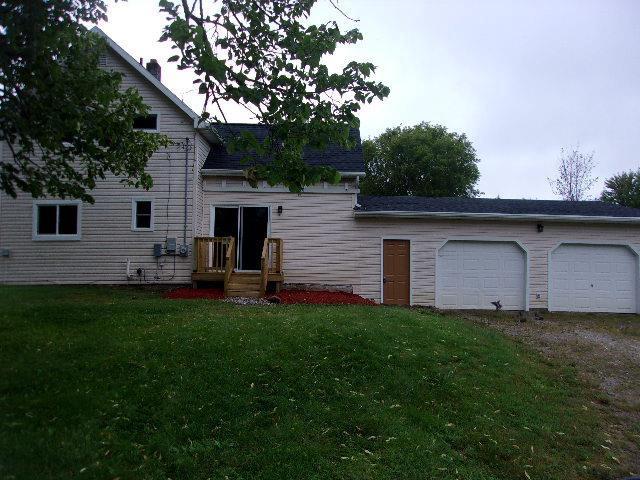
(340, 158)
(150, 78)
(489, 208)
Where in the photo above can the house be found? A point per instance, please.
(201, 222)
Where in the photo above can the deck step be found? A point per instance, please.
(243, 284)
(240, 292)
(245, 280)
(243, 293)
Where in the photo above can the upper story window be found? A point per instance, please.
(146, 122)
(142, 214)
(56, 220)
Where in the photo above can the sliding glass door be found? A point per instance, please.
(249, 226)
(254, 224)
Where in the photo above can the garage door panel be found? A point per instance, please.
(483, 272)
(582, 302)
(624, 268)
(604, 285)
(449, 282)
(469, 301)
(471, 264)
(490, 283)
(624, 286)
(593, 278)
(581, 285)
(449, 301)
(581, 266)
(471, 283)
(491, 264)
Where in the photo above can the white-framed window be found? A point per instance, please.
(147, 123)
(57, 219)
(142, 214)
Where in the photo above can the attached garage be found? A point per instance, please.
(467, 253)
(593, 278)
(472, 274)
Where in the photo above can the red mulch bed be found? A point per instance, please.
(286, 296)
(322, 297)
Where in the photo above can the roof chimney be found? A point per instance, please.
(153, 67)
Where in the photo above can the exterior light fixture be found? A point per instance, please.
(279, 209)
(540, 228)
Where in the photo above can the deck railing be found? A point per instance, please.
(215, 260)
(270, 261)
(274, 252)
(230, 264)
(212, 254)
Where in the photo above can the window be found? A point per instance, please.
(146, 122)
(56, 220)
(142, 214)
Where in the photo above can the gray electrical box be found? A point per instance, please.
(183, 250)
(171, 245)
(157, 250)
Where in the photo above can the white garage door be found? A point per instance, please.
(473, 274)
(592, 278)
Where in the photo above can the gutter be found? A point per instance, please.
(496, 216)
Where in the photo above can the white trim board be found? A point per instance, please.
(328, 189)
(231, 172)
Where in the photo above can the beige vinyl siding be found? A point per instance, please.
(428, 235)
(107, 240)
(317, 228)
(325, 244)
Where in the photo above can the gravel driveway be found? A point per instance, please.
(604, 349)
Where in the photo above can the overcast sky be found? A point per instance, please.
(521, 78)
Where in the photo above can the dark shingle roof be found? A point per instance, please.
(334, 155)
(493, 206)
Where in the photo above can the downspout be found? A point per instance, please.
(186, 185)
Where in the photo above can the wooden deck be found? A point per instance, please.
(215, 261)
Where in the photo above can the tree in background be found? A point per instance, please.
(574, 178)
(424, 160)
(623, 189)
(58, 107)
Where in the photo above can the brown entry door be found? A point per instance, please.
(396, 278)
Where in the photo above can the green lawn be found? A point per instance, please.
(106, 383)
